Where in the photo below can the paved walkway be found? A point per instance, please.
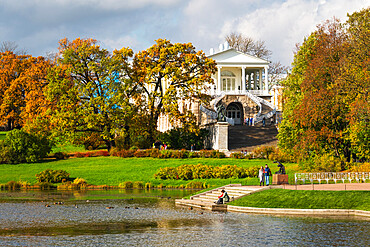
(337, 186)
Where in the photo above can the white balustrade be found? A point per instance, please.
(333, 176)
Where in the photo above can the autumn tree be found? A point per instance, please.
(89, 90)
(357, 75)
(327, 105)
(22, 81)
(166, 74)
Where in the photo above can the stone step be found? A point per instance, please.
(230, 194)
(249, 137)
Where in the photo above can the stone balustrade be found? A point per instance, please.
(332, 176)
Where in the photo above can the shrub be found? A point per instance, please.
(193, 155)
(180, 154)
(20, 146)
(142, 153)
(80, 181)
(361, 167)
(199, 171)
(185, 172)
(126, 185)
(52, 176)
(46, 185)
(125, 153)
(165, 154)
(148, 186)
(202, 171)
(154, 153)
(252, 171)
(237, 155)
(5, 154)
(138, 185)
(134, 148)
(13, 185)
(263, 152)
(167, 173)
(204, 153)
(282, 157)
(323, 163)
(90, 141)
(61, 156)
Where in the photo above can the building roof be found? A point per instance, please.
(233, 57)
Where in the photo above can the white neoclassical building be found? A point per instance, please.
(238, 73)
(240, 86)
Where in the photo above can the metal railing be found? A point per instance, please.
(333, 176)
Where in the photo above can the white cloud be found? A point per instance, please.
(118, 43)
(38, 25)
(283, 25)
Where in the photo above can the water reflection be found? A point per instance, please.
(155, 221)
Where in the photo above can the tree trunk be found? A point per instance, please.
(110, 144)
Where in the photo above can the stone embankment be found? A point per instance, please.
(206, 200)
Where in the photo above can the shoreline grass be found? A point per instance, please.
(304, 199)
(112, 171)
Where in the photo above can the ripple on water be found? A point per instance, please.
(160, 223)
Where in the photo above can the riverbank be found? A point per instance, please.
(112, 171)
(306, 199)
(278, 201)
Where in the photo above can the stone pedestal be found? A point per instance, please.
(280, 179)
(221, 137)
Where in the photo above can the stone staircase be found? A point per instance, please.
(243, 137)
(206, 200)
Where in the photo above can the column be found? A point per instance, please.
(260, 82)
(219, 79)
(266, 81)
(255, 80)
(243, 79)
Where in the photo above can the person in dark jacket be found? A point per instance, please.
(267, 174)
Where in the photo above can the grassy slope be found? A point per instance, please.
(279, 198)
(114, 170)
(2, 135)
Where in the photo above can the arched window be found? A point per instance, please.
(227, 80)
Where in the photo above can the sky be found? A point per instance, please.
(38, 25)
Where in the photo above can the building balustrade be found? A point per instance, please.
(332, 176)
(241, 92)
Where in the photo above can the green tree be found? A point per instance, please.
(166, 74)
(326, 95)
(357, 90)
(90, 90)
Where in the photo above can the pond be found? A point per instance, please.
(150, 218)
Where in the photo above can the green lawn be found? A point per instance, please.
(303, 199)
(2, 135)
(114, 170)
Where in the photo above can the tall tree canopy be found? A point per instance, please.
(22, 80)
(88, 89)
(168, 73)
(327, 103)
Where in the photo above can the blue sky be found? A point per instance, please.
(38, 25)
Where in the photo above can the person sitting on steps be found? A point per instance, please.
(223, 198)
